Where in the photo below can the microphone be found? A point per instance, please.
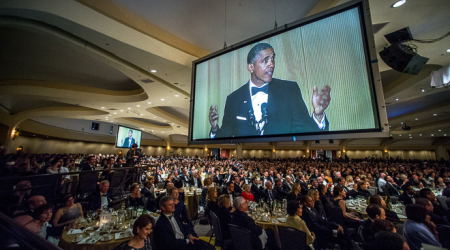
(251, 117)
(265, 112)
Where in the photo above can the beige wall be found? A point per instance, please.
(404, 154)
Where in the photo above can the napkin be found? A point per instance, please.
(282, 220)
(74, 231)
(122, 235)
(89, 240)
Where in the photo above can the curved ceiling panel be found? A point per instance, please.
(15, 104)
(151, 121)
(54, 62)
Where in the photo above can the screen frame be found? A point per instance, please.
(117, 135)
(374, 79)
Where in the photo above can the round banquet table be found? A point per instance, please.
(365, 216)
(192, 202)
(66, 243)
(274, 226)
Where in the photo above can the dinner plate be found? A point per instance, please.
(104, 239)
(75, 240)
(400, 216)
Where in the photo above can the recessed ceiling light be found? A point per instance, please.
(149, 102)
(448, 50)
(396, 99)
(152, 130)
(129, 108)
(162, 132)
(106, 117)
(154, 117)
(183, 134)
(432, 134)
(417, 119)
(399, 3)
(423, 90)
(390, 135)
(176, 95)
(399, 135)
(138, 106)
(115, 113)
(142, 114)
(121, 110)
(109, 115)
(420, 134)
(439, 130)
(401, 122)
(142, 128)
(434, 114)
(410, 137)
(111, 121)
(445, 134)
(162, 99)
(103, 107)
(153, 71)
(409, 134)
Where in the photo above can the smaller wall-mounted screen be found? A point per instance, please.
(95, 126)
(126, 137)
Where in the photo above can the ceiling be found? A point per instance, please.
(99, 55)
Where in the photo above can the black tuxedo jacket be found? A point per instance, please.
(127, 143)
(281, 193)
(199, 182)
(304, 187)
(405, 198)
(165, 234)
(241, 219)
(95, 201)
(257, 192)
(315, 224)
(287, 112)
(86, 167)
(287, 187)
(263, 182)
(391, 190)
(275, 194)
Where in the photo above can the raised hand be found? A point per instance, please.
(321, 100)
(214, 118)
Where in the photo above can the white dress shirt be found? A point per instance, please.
(178, 234)
(104, 199)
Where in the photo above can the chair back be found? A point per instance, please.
(215, 223)
(443, 233)
(442, 200)
(356, 246)
(292, 239)
(336, 215)
(394, 199)
(242, 238)
(360, 233)
(372, 191)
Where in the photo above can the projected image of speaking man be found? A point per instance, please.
(267, 105)
(128, 141)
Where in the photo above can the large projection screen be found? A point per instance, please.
(329, 51)
(126, 137)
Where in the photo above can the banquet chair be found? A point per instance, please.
(394, 199)
(442, 200)
(215, 225)
(372, 191)
(444, 233)
(360, 233)
(242, 238)
(292, 239)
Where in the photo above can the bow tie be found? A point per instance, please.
(264, 89)
(104, 195)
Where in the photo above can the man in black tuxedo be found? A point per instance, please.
(257, 191)
(269, 193)
(230, 191)
(374, 212)
(101, 198)
(390, 189)
(217, 179)
(287, 185)
(324, 230)
(228, 176)
(128, 141)
(195, 180)
(237, 185)
(282, 194)
(408, 196)
(119, 163)
(267, 105)
(266, 178)
(89, 164)
(171, 233)
(132, 155)
(301, 180)
(149, 195)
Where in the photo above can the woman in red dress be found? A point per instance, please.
(247, 194)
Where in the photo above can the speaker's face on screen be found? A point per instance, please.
(262, 69)
(130, 133)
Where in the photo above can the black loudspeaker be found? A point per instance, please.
(330, 141)
(398, 59)
(95, 126)
(317, 142)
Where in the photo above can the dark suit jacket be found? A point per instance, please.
(391, 190)
(292, 197)
(237, 189)
(405, 198)
(281, 192)
(304, 187)
(287, 187)
(95, 201)
(84, 166)
(274, 193)
(199, 182)
(224, 216)
(322, 229)
(241, 219)
(256, 192)
(127, 143)
(165, 235)
(130, 157)
(368, 233)
(287, 112)
(150, 199)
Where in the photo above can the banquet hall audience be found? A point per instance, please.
(379, 201)
(224, 211)
(408, 196)
(294, 220)
(143, 235)
(351, 220)
(375, 213)
(415, 230)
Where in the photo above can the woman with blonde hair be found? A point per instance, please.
(247, 194)
(295, 193)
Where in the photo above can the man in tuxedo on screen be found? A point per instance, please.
(267, 105)
(129, 141)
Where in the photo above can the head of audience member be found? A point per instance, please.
(294, 208)
(314, 183)
(112, 160)
(68, 200)
(307, 201)
(22, 188)
(266, 174)
(224, 201)
(320, 179)
(119, 161)
(211, 195)
(169, 185)
(246, 188)
(29, 223)
(296, 188)
(322, 189)
(408, 189)
(288, 179)
(389, 241)
(377, 200)
(314, 194)
(424, 202)
(361, 185)
(236, 179)
(174, 193)
(338, 174)
(90, 160)
(268, 185)
(36, 201)
(427, 193)
(382, 175)
(134, 188)
(278, 182)
(375, 212)
(338, 191)
(207, 182)
(341, 181)
(167, 205)
(255, 180)
(230, 187)
(240, 203)
(104, 186)
(142, 226)
(416, 213)
(379, 225)
(44, 213)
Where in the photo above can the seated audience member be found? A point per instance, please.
(323, 196)
(324, 230)
(256, 189)
(68, 213)
(135, 199)
(246, 193)
(437, 209)
(170, 234)
(378, 200)
(211, 201)
(142, 231)
(195, 180)
(120, 163)
(383, 226)
(408, 196)
(436, 219)
(296, 193)
(282, 194)
(362, 191)
(89, 164)
(351, 220)
(314, 194)
(230, 192)
(180, 207)
(391, 186)
(389, 241)
(295, 210)
(237, 185)
(240, 218)
(99, 199)
(269, 193)
(206, 183)
(43, 214)
(146, 192)
(31, 204)
(375, 213)
(224, 215)
(28, 222)
(12, 202)
(415, 230)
